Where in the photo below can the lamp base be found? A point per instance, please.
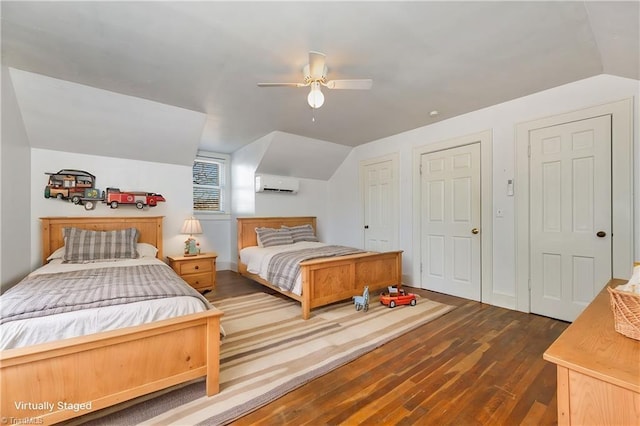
(190, 247)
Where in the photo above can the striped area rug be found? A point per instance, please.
(269, 351)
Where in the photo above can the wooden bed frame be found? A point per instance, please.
(325, 280)
(104, 369)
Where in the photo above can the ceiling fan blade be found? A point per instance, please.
(316, 65)
(282, 84)
(362, 84)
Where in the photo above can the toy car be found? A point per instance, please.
(397, 297)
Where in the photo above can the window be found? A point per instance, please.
(209, 183)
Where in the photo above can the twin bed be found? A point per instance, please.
(80, 371)
(323, 280)
(61, 379)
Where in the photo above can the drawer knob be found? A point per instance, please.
(197, 267)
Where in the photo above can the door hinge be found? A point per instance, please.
(529, 150)
(529, 285)
(420, 169)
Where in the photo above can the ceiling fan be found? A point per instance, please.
(315, 76)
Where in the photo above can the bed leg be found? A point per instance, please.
(213, 356)
(306, 310)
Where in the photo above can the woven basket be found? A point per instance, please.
(626, 312)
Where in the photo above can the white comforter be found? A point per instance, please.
(257, 258)
(32, 331)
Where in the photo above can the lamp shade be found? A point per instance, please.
(191, 226)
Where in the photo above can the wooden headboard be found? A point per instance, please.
(149, 228)
(247, 227)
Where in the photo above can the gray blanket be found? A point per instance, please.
(49, 294)
(284, 267)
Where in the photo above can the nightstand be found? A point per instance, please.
(198, 271)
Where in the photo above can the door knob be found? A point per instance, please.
(601, 234)
(475, 231)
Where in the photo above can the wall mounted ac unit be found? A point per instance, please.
(270, 183)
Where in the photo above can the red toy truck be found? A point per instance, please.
(114, 197)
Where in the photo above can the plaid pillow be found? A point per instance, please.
(269, 237)
(83, 245)
(301, 233)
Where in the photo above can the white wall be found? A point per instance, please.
(216, 236)
(294, 155)
(172, 181)
(311, 199)
(345, 217)
(243, 197)
(14, 188)
(244, 163)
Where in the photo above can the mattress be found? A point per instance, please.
(257, 259)
(31, 331)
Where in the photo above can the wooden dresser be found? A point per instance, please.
(199, 271)
(598, 369)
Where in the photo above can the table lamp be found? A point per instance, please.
(191, 226)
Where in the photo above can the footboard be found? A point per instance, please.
(56, 381)
(329, 280)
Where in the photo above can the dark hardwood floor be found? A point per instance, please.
(476, 365)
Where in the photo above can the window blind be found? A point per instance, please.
(208, 185)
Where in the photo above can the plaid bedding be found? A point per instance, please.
(49, 294)
(285, 267)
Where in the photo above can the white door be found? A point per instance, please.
(570, 214)
(450, 221)
(380, 204)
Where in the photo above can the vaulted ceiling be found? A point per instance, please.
(152, 76)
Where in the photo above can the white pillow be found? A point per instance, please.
(146, 250)
(58, 254)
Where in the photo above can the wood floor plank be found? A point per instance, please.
(534, 415)
(476, 365)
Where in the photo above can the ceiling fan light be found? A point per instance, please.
(315, 98)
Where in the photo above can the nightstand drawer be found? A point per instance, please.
(198, 271)
(195, 266)
(199, 280)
